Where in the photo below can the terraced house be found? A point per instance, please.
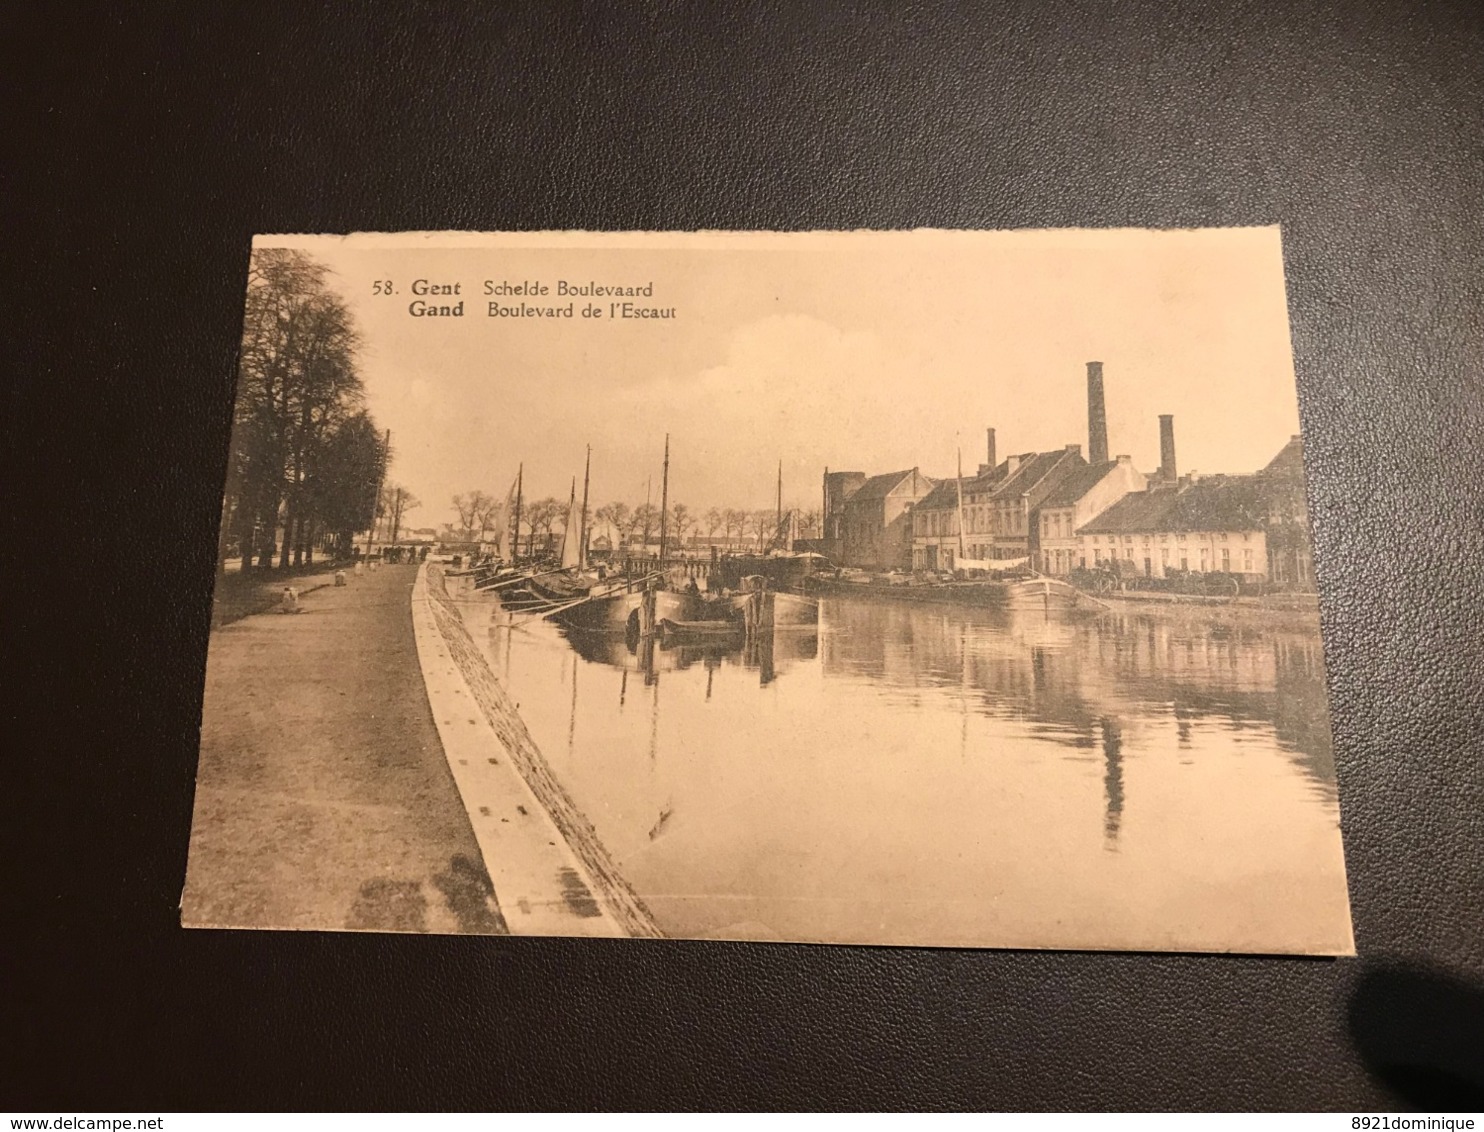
(1208, 525)
(1077, 498)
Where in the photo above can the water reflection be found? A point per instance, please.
(920, 773)
(769, 655)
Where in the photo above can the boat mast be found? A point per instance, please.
(582, 528)
(778, 517)
(567, 534)
(520, 478)
(665, 498)
(824, 508)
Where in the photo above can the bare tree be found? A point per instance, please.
(713, 521)
(646, 518)
(763, 524)
(543, 515)
(616, 517)
(396, 501)
(734, 520)
(680, 522)
(473, 511)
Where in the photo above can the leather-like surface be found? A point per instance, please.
(153, 145)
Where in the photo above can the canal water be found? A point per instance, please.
(927, 774)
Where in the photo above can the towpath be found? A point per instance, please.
(323, 797)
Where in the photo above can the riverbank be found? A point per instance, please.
(323, 797)
(554, 873)
(1296, 611)
(1301, 614)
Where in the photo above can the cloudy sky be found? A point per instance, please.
(866, 352)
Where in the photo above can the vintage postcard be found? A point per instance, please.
(917, 588)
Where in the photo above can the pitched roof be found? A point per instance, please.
(879, 487)
(1288, 462)
(1077, 483)
(943, 497)
(1226, 503)
(1034, 467)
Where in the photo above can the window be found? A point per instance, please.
(1164, 557)
(1226, 559)
(1247, 561)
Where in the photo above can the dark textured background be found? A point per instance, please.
(146, 148)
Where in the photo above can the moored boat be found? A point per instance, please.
(1042, 593)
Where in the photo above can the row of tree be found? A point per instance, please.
(307, 461)
(479, 514)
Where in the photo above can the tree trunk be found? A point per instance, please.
(245, 531)
(268, 529)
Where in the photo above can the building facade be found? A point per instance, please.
(935, 526)
(1011, 504)
(1208, 526)
(876, 520)
(1075, 501)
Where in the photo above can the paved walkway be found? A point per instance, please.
(323, 798)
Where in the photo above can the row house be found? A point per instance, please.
(999, 507)
(875, 520)
(1011, 505)
(1214, 524)
(935, 527)
(1076, 499)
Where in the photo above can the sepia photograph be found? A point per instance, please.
(920, 588)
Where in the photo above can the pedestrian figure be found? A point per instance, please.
(340, 577)
(289, 603)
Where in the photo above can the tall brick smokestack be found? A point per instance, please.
(989, 436)
(1097, 416)
(1167, 448)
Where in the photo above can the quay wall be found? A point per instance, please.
(618, 901)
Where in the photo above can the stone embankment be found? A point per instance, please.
(553, 873)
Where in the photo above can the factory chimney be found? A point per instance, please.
(1167, 448)
(1097, 416)
(990, 435)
